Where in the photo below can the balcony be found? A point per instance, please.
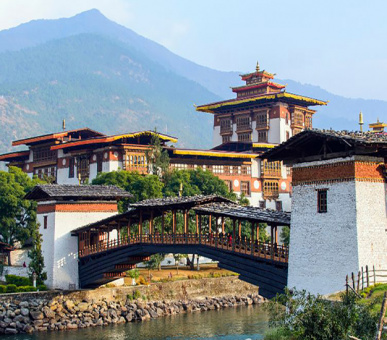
(270, 194)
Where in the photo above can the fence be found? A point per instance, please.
(364, 278)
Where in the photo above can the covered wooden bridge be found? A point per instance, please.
(209, 226)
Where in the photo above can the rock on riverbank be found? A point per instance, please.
(53, 311)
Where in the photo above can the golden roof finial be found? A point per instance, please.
(257, 67)
(361, 122)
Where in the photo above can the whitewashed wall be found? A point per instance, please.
(60, 249)
(371, 211)
(323, 246)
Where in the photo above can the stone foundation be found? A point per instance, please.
(52, 311)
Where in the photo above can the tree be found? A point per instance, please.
(17, 215)
(314, 317)
(140, 186)
(36, 264)
(157, 158)
(177, 258)
(195, 182)
(134, 274)
(285, 235)
(154, 262)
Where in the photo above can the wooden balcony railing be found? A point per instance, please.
(274, 252)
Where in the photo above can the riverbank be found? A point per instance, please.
(54, 311)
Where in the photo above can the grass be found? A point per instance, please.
(184, 273)
(373, 296)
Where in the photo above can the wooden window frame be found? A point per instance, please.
(45, 221)
(246, 191)
(322, 201)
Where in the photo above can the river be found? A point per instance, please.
(238, 323)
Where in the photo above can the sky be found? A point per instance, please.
(338, 45)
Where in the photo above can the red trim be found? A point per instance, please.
(78, 207)
(10, 156)
(257, 86)
(50, 136)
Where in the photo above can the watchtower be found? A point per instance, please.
(61, 208)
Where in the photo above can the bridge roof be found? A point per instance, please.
(155, 206)
(180, 202)
(248, 213)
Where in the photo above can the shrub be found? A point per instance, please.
(26, 289)
(17, 280)
(3, 289)
(42, 288)
(142, 281)
(136, 294)
(11, 288)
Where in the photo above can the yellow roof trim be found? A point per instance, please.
(262, 145)
(211, 107)
(136, 134)
(213, 154)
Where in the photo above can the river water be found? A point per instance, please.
(238, 323)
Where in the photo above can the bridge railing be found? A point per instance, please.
(278, 253)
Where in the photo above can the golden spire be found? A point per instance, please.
(64, 125)
(257, 67)
(361, 122)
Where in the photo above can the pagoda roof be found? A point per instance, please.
(113, 138)
(257, 73)
(76, 192)
(244, 147)
(309, 145)
(257, 86)
(269, 97)
(86, 132)
(15, 156)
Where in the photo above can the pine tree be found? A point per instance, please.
(36, 264)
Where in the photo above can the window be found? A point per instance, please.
(179, 166)
(245, 188)
(44, 154)
(246, 170)
(262, 136)
(71, 167)
(271, 169)
(99, 162)
(217, 169)
(226, 139)
(135, 162)
(243, 123)
(244, 137)
(270, 189)
(45, 222)
(225, 125)
(308, 121)
(298, 118)
(278, 205)
(287, 135)
(262, 121)
(229, 185)
(83, 168)
(46, 173)
(322, 200)
(262, 204)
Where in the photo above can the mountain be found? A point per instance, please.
(38, 32)
(96, 73)
(94, 81)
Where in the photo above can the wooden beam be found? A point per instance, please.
(197, 224)
(174, 221)
(162, 223)
(240, 229)
(209, 223)
(140, 224)
(222, 225)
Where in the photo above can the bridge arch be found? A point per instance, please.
(111, 246)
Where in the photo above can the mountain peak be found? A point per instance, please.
(90, 14)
